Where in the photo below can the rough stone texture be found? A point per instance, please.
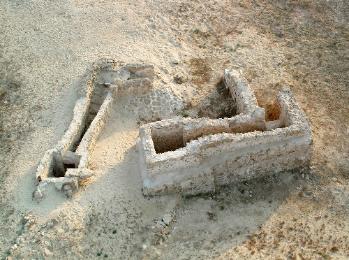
(246, 101)
(194, 156)
(155, 105)
(102, 82)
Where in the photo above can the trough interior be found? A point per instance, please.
(167, 138)
(61, 163)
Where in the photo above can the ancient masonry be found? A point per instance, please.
(64, 166)
(194, 156)
(185, 155)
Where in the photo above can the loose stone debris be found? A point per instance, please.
(176, 154)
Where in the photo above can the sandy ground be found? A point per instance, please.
(45, 48)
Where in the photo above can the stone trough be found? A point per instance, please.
(67, 163)
(193, 156)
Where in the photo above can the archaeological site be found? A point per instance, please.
(170, 130)
(183, 155)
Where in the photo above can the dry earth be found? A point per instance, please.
(45, 47)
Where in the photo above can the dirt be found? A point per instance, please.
(45, 48)
(200, 71)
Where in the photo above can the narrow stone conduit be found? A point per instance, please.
(67, 164)
(61, 162)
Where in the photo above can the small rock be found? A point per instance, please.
(211, 215)
(3, 91)
(306, 194)
(167, 219)
(38, 195)
(160, 225)
(60, 230)
(174, 62)
(14, 247)
(68, 190)
(180, 79)
(278, 32)
(47, 252)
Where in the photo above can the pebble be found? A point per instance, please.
(47, 252)
(60, 230)
(167, 219)
(179, 79)
(211, 215)
(14, 247)
(159, 225)
(3, 91)
(174, 62)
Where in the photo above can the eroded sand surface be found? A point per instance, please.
(44, 50)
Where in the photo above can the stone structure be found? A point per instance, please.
(193, 156)
(67, 163)
(185, 155)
